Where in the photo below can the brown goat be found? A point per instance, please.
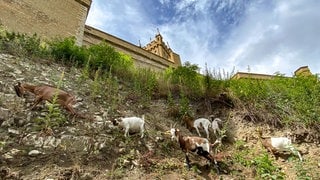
(189, 122)
(47, 93)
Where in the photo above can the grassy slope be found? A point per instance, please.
(95, 149)
(120, 157)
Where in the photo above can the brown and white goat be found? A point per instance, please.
(277, 145)
(47, 93)
(192, 144)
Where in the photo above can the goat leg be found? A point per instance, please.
(142, 131)
(126, 132)
(208, 156)
(71, 110)
(198, 132)
(36, 102)
(207, 132)
(188, 161)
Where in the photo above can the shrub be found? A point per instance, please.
(187, 78)
(266, 169)
(21, 44)
(66, 50)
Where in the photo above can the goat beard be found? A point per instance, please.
(17, 90)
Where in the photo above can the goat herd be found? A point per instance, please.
(189, 144)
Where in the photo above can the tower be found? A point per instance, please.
(158, 47)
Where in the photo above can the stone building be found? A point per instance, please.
(46, 18)
(301, 71)
(66, 18)
(157, 46)
(141, 56)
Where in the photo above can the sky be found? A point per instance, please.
(258, 36)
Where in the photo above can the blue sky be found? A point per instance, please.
(260, 36)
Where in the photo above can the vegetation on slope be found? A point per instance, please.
(287, 100)
(280, 102)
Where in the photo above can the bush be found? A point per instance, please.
(187, 79)
(65, 50)
(21, 44)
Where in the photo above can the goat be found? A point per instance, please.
(278, 144)
(47, 93)
(189, 144)
(204, 123)
(132, 124)
(215, 125)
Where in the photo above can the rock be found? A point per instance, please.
(11, 153)
(136, 163)
(122, 144)
(159, 139)
(34, 153)
(13, 131)
(18, 121)
(121, 150)
(86, 176)
(4, 114)
(7, 156)
(1, 120)
(51, 142)
(98, 118)
(105, 114)
(72, 130)
(17, 71)
(303, 150)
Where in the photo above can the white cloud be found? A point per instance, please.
(269, 36)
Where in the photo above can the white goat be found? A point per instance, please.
(279, 144)
(132, 124)
(215, 125)
(202, 122)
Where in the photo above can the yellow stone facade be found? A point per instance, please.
(46, 18)
(65, 18)
(301, 71)
(157, 46)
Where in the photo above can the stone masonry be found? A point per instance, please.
(46, 18)
(66, 18)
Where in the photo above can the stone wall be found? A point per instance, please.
(141, 57)
(47, 18)
(65, 18)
